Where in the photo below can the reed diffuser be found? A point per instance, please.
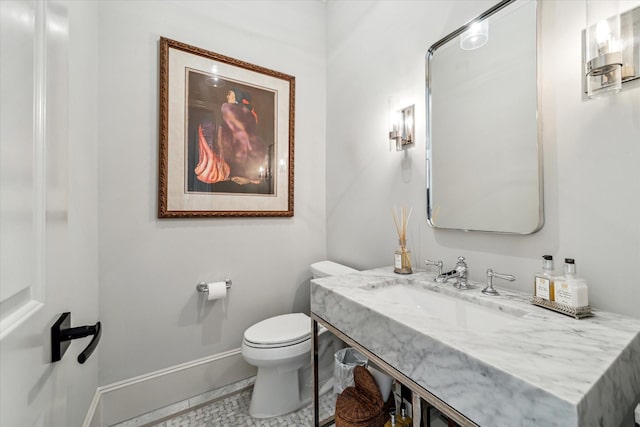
(402, 263)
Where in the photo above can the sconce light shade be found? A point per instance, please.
(403, 127)
(476, 36)
(603, 49)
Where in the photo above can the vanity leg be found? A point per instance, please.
(416, 409)
(315, 413)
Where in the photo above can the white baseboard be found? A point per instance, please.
(130, 398)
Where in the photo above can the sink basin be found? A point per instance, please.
(446, 308)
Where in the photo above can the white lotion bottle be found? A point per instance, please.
(571, 290)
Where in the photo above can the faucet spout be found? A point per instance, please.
(443, 277)
(460, 273)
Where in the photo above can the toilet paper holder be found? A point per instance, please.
(203, 287)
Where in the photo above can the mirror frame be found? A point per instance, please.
(430, 52)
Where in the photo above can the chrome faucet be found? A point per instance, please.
(460, 273)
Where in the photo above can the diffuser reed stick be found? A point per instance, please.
(403, 257)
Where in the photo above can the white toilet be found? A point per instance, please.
(280, 347)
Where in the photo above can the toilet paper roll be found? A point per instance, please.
(217, 290)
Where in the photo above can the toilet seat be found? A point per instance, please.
(279, 331)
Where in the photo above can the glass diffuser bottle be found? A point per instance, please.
(402, 256)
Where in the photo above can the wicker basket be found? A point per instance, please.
(362, 405)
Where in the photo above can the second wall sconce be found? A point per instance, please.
(610, 48)
(403, 127)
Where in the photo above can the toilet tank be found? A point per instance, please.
(329, 268)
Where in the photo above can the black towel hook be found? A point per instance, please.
(62, 333)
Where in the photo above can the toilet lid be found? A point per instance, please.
(286, 329)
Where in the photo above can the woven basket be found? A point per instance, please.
(362, 405)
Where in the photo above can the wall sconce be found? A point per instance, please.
(603, 53)
(403, 128)
(476, 36)
(611, 48)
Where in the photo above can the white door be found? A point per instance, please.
(38, 281)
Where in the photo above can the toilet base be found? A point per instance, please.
(276, 393)
(284, 379)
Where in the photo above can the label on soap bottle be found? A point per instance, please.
(564, 293)
(543, 288)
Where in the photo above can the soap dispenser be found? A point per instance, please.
(404, 420)
(569, 289)
(392, 421)
(544, 281)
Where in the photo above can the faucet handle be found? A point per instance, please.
(438, 264)
(489, 290)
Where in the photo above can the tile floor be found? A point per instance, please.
(226, 407)
(233, 411)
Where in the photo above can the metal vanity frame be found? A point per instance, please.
(421, 400)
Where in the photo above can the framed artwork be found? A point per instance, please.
(226, 136)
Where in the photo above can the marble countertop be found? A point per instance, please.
(539, 368)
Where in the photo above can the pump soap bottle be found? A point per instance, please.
(392, 421)
(569, 289)
(405, 420)
(544, 281)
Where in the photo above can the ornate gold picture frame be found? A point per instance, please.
(226, 136)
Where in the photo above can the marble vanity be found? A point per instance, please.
(491, 360)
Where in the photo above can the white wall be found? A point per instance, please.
(376, 56)
(82, 294)
(149, 267)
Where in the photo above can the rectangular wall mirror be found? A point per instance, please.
(484, 163)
